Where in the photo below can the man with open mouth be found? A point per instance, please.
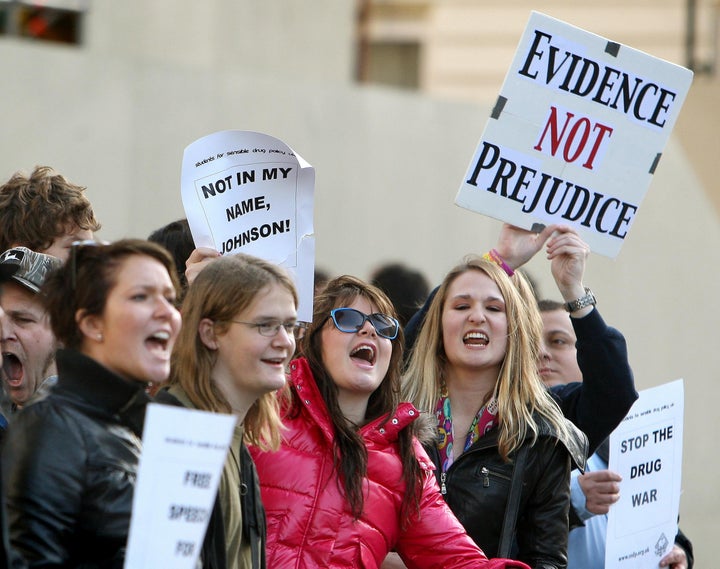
(28, 344)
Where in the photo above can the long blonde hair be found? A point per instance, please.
(519, 390)
(221, 290)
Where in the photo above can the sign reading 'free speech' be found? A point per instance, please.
(178, 477)
(576, 134)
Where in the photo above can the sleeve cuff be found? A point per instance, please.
(577, 499)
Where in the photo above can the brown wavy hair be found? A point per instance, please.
(37, 209)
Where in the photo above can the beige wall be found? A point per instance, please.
(116, 117)
(464, 32)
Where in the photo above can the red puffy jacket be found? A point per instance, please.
(309, 524)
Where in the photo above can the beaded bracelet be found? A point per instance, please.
(495, 257)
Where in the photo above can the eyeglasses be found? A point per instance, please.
(350, 320)
(271, 329)
(75, 248)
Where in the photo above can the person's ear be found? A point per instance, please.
(90, 325)
(206, 331)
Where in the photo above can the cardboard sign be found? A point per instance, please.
(575, 135)
(646, 450)
(249, 192)
(178, 476)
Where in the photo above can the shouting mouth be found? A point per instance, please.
(12, 369)
(476, 339)
(159, 342)
(365, 353)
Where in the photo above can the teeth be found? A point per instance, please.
(161, 335)
(370, 357)
(476, 336)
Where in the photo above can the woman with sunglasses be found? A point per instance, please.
(350, 481)
(238, 335)
(70, 460)
(504, 450)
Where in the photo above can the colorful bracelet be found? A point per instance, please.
(495, 257)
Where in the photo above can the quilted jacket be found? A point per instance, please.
(308, 518)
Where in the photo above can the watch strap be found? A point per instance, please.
(587, 300)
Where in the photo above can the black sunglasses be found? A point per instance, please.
(75, 248)
(350, 320)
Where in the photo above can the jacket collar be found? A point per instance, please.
(178, 393)
(575, 443)
(312, 403)
(84, 379)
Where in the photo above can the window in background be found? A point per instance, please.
(53, 20)
(389, 42)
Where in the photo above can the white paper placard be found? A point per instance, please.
(576, 134)
(180, 467)
(646, 450)
(247, 192)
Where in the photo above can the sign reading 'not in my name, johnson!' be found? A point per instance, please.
(248, 192)
(575, 135)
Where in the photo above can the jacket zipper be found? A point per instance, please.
(485, 472)
(486, 477)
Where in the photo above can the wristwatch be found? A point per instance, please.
(587, 300)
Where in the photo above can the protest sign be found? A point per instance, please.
(646, 450)
(247, 192)
(576, 134)
(180, 467)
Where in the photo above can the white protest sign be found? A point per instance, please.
(247, 192)
(576, 134)
(180, 467)
(646, 450)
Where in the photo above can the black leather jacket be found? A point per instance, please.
(69, 468)
(477, 484)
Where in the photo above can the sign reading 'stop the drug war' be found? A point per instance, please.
(576, 134)
(646, 451)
